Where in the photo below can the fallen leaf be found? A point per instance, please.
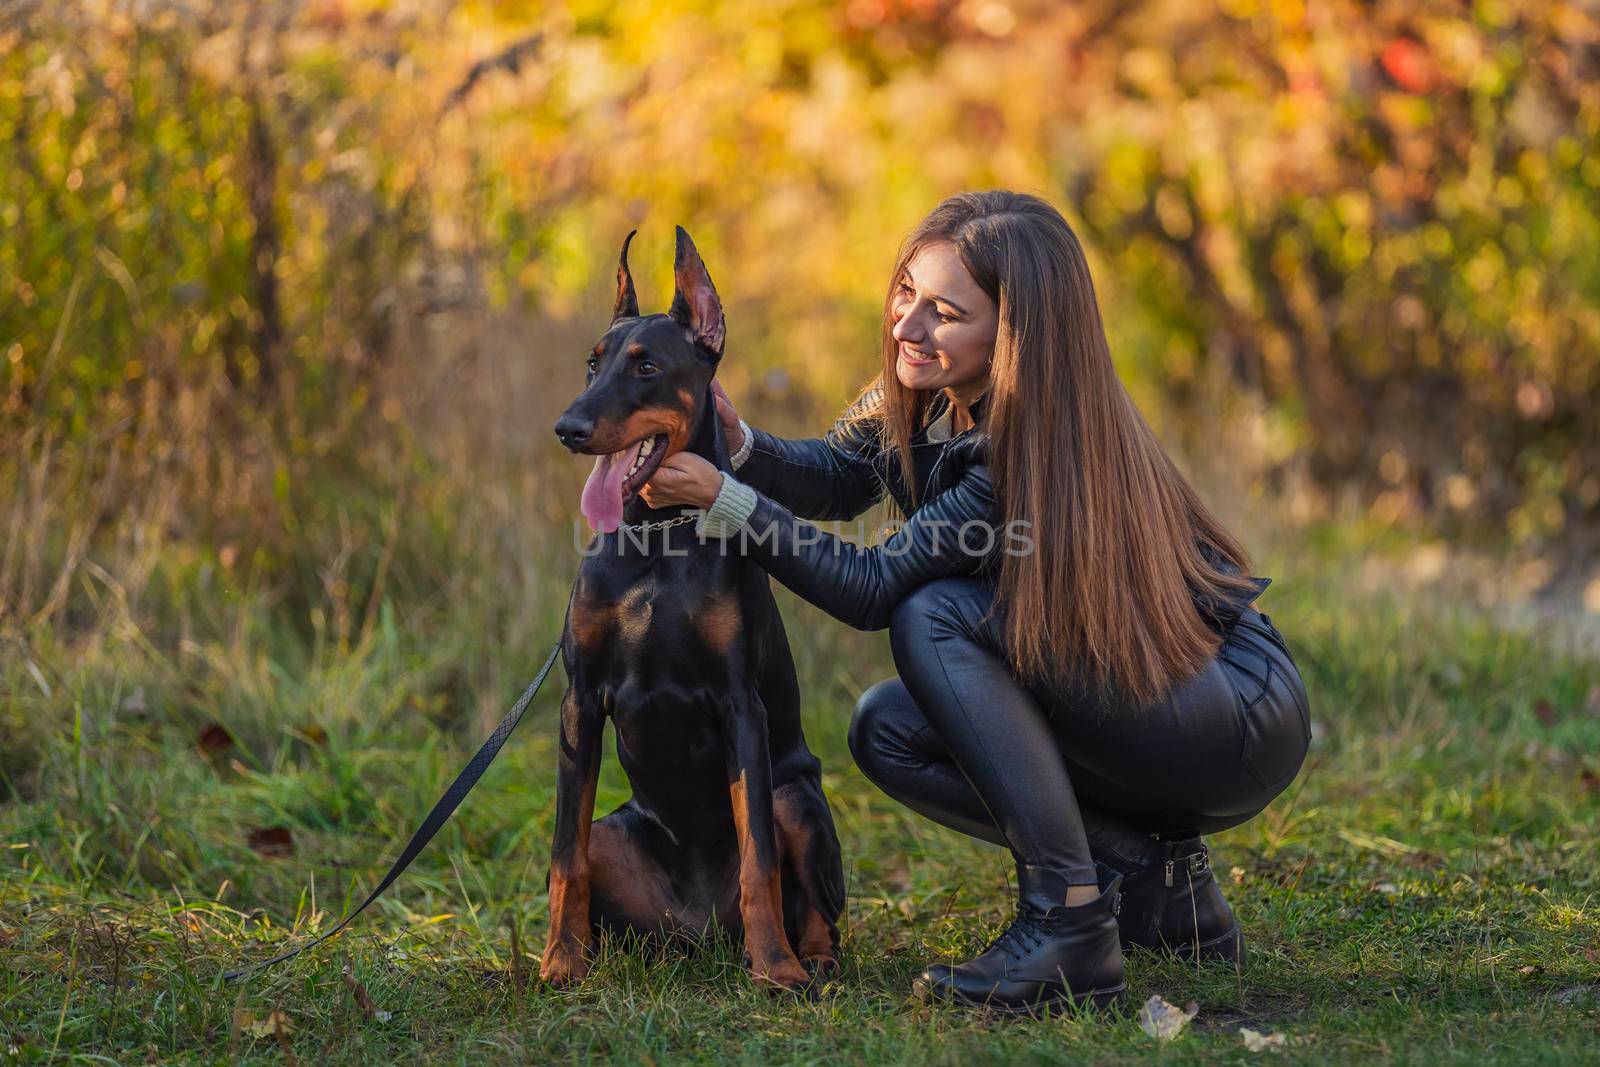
(1237, 874)
(1545, 712)
(275, 1023)
(280, 1030)
(214, 738)
(357, 990)
(1164, 1021)
(1259, 1042)
(314, 734)
(1590, 780)
(272, 841)
(1388, 889)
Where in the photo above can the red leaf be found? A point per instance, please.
(214, 738)
(1409, 64)
(272, 841)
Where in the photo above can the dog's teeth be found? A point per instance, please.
(650, 442)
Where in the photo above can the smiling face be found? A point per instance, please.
(944, 325)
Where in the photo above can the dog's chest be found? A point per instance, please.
(657, 627)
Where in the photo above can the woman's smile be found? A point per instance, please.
(944, 325)
(916, 357)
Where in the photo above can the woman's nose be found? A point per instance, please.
(905, 327)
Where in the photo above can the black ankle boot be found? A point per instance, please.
(1172, 903)
(1050, 956)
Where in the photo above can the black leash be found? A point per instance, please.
(436, 818)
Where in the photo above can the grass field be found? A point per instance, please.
(179, 800)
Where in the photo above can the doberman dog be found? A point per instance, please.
(682, 647)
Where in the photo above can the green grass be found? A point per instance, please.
(1426, 892)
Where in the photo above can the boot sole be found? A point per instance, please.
(1094, 999)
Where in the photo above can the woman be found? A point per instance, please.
(1083, 676)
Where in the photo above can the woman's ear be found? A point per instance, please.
(695, 304)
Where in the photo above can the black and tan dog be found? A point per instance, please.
(681, 645)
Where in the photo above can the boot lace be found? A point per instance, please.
(1026, 933)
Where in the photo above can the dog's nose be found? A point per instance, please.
(574, 430)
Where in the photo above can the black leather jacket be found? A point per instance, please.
(955, 529)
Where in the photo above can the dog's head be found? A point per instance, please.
(647, 383)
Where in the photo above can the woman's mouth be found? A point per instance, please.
(917, 358)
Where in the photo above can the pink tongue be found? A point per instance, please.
(602, 493)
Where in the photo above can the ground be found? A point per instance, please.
(1426, 892)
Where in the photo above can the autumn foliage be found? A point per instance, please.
(1365, 230)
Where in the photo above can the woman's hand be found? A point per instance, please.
(683, 478)
(729, 417)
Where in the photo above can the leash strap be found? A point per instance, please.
(441, 812)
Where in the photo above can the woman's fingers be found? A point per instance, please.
(726, 412)
(682, 478)
(721, 394)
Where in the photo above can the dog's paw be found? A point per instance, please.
(563, 966)
(822, 969)
(780, 974)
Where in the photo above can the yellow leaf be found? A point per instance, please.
(276, 1022)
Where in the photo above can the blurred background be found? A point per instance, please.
(291, 292)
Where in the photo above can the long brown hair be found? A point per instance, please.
(1105, 597)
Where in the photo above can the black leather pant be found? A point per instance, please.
(1062, 778)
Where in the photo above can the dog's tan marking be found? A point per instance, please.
(591, 619)
(761, 903)
(718, 621)
(566, 950)
(818, 940)
(634, 612)
(613, 436)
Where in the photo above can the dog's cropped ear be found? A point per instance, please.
(695, 304)
(627, 305)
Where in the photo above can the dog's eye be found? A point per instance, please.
(594, 364)
(646, 367)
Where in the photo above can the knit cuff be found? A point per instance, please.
(744, 449)
(729, 512)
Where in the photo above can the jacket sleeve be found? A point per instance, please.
(956, 533)
(822, 478)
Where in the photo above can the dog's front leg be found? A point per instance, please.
(577, 772)
(744, 727)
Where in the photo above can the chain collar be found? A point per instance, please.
(659, 524)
